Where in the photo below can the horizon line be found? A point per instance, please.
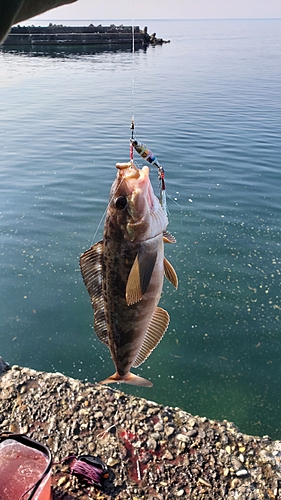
(165, 19)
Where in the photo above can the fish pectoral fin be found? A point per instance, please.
(170, 273)
(140, 274)
(168, 237)
(91, 270)
(155, 332)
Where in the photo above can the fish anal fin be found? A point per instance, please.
(91, 270)
(168, 237)
(170, 273)
(130, 379)
(100, 325)
(156, 330)
(140, 274)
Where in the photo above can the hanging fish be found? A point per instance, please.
(124, 273)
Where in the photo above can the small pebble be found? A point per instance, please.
(242, 472)
(156, 436)
(169, 431)
(191, 422)
(91, 447)
(158, 427)
(204, 482)
(98, 415)
(234, 483)
(113, 461)
(62, 480)
(182, 437)
(151, 444)
(14, 427)
(236, 463)
(168, 455)
(180, 493)
(201, 434)
(192, 433)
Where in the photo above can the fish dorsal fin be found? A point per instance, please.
(168, 237)
(91, 270)
(170, 273)
(157, 327)
(140, 274)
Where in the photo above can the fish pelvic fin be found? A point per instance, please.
(141, 272)
(170, 273)
(130, 379)
(168, 237)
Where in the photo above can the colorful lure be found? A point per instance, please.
(145, 153)
(149, 156)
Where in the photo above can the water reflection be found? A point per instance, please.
(62, 51)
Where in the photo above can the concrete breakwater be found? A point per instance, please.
(152, 451)
(80, 35)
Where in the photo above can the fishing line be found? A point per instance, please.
(141, 149)
(133, 79)
(104, 214)
(132, 109)
(99, 224)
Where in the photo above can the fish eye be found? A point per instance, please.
(120, 202)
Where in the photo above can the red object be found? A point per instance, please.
(25, 468)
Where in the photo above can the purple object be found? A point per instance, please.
(91, 470)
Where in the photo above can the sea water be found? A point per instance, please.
(208, 105)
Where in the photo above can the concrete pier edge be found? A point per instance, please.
(152, 451)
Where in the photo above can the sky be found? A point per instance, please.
(165, 9)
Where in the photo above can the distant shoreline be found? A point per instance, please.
(58, 34)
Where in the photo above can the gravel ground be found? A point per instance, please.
(152, 451)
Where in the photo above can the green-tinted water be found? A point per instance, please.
(208, 105)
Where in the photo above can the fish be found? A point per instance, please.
(124, 273)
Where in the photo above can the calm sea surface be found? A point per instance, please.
(208, 104)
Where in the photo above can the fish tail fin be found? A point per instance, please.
(130, 378)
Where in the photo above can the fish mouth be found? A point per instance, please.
(136, 184)
(130, 171)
